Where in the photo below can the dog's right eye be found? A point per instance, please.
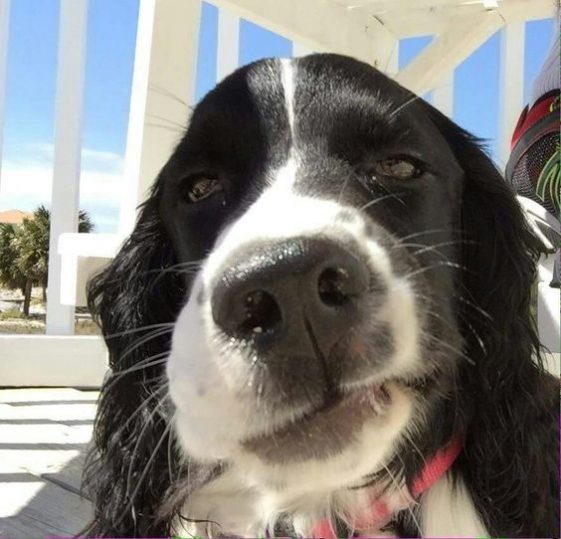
(202, 187)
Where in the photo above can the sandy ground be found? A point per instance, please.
(12, 321)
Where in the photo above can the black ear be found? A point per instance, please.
(511, 457)
(135, 300)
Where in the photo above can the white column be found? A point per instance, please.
(162, 94)
(388, 47)
(511, 87)
(68, 142)
(300, 50)
(228, 50)
(443, 95)
(4, 32)
(458, 39)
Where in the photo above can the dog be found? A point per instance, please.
(320, 326)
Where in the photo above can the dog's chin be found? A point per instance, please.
(329, 448)
(322, 432)
(353, 435)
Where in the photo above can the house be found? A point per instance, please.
(14, 217)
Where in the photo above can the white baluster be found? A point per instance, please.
(68, 142)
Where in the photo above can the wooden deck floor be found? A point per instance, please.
(43, 438)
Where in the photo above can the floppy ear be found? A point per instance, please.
(135, 302)
(512, 438)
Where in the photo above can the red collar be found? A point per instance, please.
(383, 507)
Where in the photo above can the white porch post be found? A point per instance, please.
(454, 44)
(163, 90)
(68, 142)
(511, 85)
(443, 95)
(228, 50)
(4, 32)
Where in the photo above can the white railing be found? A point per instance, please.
(164, 28)
(71, 72)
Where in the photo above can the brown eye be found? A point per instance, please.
(400, 169)
(203, 187)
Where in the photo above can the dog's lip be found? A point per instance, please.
(339, 418)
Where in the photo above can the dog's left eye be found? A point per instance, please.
(202, 188)
(398, 168)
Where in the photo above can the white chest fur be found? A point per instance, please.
(226, 507)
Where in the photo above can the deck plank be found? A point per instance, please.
(44, 436)
(42, 508)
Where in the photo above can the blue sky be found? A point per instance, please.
(29, 125)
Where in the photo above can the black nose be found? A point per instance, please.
(292, 296)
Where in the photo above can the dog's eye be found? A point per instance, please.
(398, 168)
(203, 187)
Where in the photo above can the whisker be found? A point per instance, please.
(137, 344)
(130, 472)
(142, 405)
(424, 248)
(444, 344)
(435, 266)
(152, 361)
(184, 268)
(345, 182)
(155, 379)
(164, 119)
(398, 488)
(379, 199)
(166, 93)
(166, 127)
(474, 306)
(187, 265)
(404, 105)
(407, 434)
(138, 330)
(380, 184)
(147, 467)
(430, 231)
(477, 337)
(170, 442)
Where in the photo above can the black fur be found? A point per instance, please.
(502, 401)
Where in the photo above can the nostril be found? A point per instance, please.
(262, 313)
(333, 286)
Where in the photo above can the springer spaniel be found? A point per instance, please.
(321, 326)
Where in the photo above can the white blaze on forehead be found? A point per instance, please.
(287, 78)
(283, 178)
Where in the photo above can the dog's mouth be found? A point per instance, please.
(324, 431)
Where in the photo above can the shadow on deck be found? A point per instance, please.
(44, 434)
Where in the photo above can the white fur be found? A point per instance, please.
(448, 511)
(445, 510)
(288, 76)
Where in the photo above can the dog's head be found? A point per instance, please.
(323, 208)
(328, 252)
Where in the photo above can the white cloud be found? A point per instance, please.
(26, 185)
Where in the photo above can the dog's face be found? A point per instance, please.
(319, 206)
(347, 278)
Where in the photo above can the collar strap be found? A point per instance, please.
(384, 507)
(436, 467)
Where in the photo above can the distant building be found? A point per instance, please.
(14, 217)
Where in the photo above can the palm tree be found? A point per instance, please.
(10, 276)
(31, 244)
